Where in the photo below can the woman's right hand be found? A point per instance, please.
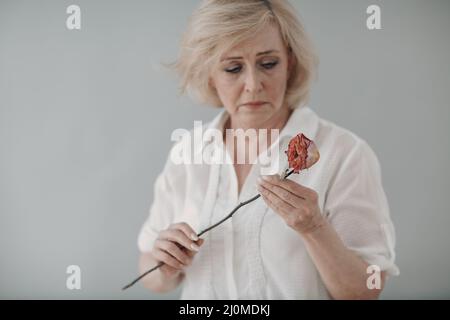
(176, 247)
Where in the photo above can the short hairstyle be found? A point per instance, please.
(218, 25)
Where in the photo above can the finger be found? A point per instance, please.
(178, 236)
(163, 256)
(291, 198)
(188, 231)
(168, 270)
(275, 208)
(192, 253)
(293, 221)
(172, 249)
(299, 220)
(292, 186)
(276, 201)
(305, 193)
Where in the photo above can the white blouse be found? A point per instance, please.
(255, 254)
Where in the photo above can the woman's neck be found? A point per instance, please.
(277, 122)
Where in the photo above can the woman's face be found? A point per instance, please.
(256, 70)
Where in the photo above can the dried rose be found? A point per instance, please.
(302, 153)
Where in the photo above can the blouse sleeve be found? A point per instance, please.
(166, 192)
(357, 208)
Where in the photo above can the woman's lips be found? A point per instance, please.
(254, 105)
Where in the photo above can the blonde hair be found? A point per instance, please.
(218, 25)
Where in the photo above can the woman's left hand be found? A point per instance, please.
(296, 204)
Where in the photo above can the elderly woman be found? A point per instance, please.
(322, 234)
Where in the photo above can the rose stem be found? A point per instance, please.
(204, 231)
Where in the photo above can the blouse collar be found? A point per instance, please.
(302, 120)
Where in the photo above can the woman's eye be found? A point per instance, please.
(270, 65)
(233, 70)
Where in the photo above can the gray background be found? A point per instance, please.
(86, 118)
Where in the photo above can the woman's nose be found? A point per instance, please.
(253, 81)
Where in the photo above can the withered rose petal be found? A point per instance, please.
(302, 153)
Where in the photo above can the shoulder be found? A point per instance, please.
(341, 146)
(199, 132)
(327, 135)
(183, 154)
(335, 136)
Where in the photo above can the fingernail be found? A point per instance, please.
(267, 178)
(195, 247)
(259, 180)
(194, 237)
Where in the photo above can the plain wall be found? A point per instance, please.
(86, 118)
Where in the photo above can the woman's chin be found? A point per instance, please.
(253, 119)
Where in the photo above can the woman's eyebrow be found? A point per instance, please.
(258, 54)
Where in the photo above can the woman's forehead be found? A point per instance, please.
(264, 42)
(236, 56)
